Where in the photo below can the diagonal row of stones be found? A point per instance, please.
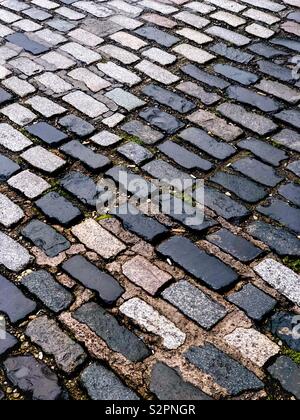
(169, 309)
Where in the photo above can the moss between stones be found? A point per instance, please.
(293, 263)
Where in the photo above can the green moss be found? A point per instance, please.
(103, 217)
(293, 263)
(292, 354)
(133, 139)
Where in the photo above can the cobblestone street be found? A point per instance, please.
(121, 306)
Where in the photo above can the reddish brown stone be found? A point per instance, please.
(146, 275)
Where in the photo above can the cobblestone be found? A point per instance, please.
(127, 94)
(153, 322)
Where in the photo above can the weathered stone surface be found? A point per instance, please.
(198, 263)
(227, 372)
(252, 345)
(250, 120)
(207, 144)
(145, 275)
(184, 157)
(160, 37)
(108, 288)
(291, 117)
(52, 294)
(235, 245)
(242, 187)
(283, 213)
(216, 125)
(195, 304)
(168, 98)
(196, 91)
(4, 97)
(34, 378)
(129, 181)
(140, 224)
(281, 278)
(45, 237)
(105, 139)
(257, 171)
(77, 125)
(47, 133)
(82, 187)
(7, 342)
(231, 53)
(44, 332)
(285, 326)
(22, 41)
(85, 104)
(234, 73)
(246, 96)
(10, 213)
(103, 385)
(135, 152)
(13, 255)
(184, 213)
(13, 302)
(31, 185)
(204, 77)
(7, 168)
(87, 156)
(96, 238)
(289, 139)
(152, 321)
(274, 70)
(291, 192)
(118, 338)
(295, 167)
(12, 139)
(42, 159)
(224, 206)
(162, 120)
(287, 373)
(125, 99)
(264, 151)
(143, 132)
(168, 385)
(169, 174)
(278, 239)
